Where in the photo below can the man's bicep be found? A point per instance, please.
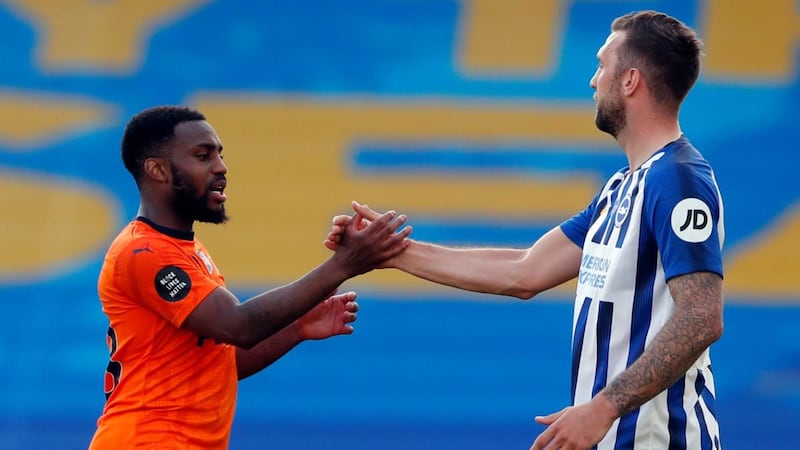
(552, 260)
(214, 317)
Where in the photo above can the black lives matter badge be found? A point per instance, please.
(173, 283)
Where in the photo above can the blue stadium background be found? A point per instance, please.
(472, 116)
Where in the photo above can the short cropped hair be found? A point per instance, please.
(149, 133)
(664, 49)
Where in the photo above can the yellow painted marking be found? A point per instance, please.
(767, 265)
(62, 223)
(504, 37)
(289, 172)
(751, 39)
(28, 119)
(91, 35)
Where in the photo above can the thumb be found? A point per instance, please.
(365, 211)
(549, 419)
(355, 223)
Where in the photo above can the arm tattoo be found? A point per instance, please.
(695, 324)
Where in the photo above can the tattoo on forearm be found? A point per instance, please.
(695, 324)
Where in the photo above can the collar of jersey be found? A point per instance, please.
(171, 232)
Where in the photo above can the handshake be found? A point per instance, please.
(367, 240)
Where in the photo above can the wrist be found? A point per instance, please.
(605, 407)
(294, 332)
(337, 269)
(400, 260)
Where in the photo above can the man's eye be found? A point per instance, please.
(202, 156)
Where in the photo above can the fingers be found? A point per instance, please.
(365, 211)
(350, 316)
(546, 439)
(400, 241)
(355, 222)
(340, 221)
(390, 221)
(344, 297)
(351, 306)
(398, 221)
(348, 301)
(548, 419)
(543, 439)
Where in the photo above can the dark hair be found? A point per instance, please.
(665, 49)
(149, 132)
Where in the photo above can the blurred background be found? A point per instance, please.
(474, 117)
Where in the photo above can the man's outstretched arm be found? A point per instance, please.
(522, 273)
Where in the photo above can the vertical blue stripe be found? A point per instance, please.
(677, 415)
(601, 230)
(642, 308)
(626, 430)
(700, 387)
(625, 224)
(611, 205)
(612, 213)
(608, 224)
(641, 315)
(577, 343)
(605, 316)
(708, 397)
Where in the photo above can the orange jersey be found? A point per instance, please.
(165, 387)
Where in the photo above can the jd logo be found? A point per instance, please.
(691, 220)
(697, 218)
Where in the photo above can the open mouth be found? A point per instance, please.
(217, 191)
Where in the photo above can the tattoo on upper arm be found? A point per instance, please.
(694, 325)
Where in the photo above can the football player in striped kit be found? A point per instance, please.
(646, 253)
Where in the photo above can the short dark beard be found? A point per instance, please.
(191, 205)
(610, 117)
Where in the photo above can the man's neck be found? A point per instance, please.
(641, 140)
(163, 218)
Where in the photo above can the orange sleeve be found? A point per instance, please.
(168, 279)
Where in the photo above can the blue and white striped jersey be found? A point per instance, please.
(646, 226)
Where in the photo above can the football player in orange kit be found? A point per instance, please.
(179, 340)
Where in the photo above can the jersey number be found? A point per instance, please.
(114, 368)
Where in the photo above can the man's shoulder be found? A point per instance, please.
(139, 239)
(679, 163)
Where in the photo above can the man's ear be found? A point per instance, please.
(156, 169)
(631, 80)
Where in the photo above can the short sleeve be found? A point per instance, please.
(577, 226)
(165, 278)
(684, 208)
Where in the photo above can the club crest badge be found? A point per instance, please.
(206, 261)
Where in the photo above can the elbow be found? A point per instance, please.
(238, 339)
(716, 331)
(239, 335)
(522, 292)
(716, 326)
(246, 343)
(245, 330)
(524, 288)
(710, 333)
(525, 294)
